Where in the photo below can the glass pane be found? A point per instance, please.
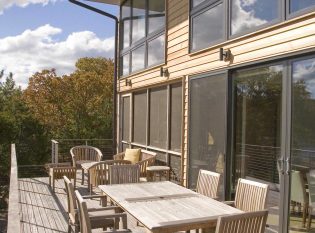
(176, 118)
(296, 5)
(257, 130)
(126, 119)
(125, 64)
(138, 20)
(156, 51)
(207, 126)
(158, 117)
(124, 146)
(208, 27)
(248, 14)
(125, 17)
(175, 164)
(156, 15)
(140, 118)
(138, 59)
(196, 2)
(303, 143)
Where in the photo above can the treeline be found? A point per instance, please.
(78, 105)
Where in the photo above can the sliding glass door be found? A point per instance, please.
(256, 146)
(207, 122)
(302, 191)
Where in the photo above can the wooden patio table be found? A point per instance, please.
(164, 207)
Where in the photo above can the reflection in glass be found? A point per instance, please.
(156, 51)
(296, 5)
(207, 126)
(140, 117)
(248, 14)
(138, 20)
(196, 2)
(138, 59)
(302, 142)
(257, 113)
(257, 104)
(156, 15)
(158, 117)
(125, 24)
(125, 64)
(208, 27)
(176, 117)
(126, 119)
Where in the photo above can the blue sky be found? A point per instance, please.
(43, 34)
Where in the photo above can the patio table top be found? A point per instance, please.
(167, 207)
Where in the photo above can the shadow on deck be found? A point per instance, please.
(43, 210)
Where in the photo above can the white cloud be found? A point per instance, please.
(35, 50)
(5, 4)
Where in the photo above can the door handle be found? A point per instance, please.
(280, 166)
(287, 166)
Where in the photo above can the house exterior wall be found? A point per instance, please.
(296, 35)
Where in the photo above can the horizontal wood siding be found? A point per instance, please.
(285, 38)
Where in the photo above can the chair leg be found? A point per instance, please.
(53, 184)
(82, 181)
(305, 207)
(69, 228)
(309, 220)
(76, 229)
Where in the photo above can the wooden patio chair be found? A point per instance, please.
(298, 194)
(99, 172)
(250, 195)
(208, 183)
(88, 222)
(122, 174)
(147, 158)
(58, 171)
(250, 222)
(84, 154)
(311, 197)
(73, 217)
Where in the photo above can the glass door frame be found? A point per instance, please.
(225, 74)
(285, 130)
(122, 142)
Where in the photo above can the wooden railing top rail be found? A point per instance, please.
(14, 205)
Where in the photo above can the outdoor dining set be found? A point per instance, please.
(132, 186)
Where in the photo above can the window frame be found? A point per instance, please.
(131, 144)
(143, 41)
(199, 10)
(299, 12)
(283, 15)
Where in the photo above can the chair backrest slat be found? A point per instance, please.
(250, 222)
(85, 224)
(121, 174)
(72, 205)
(208, 183)
(251, 195)
(88, 153)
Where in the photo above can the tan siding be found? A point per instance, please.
(291, 36)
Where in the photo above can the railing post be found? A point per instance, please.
(14, 199)
(54, 151)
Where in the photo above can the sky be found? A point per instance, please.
(46, 34)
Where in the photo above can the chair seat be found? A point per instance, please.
(80, 162)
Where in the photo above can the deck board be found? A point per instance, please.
(44, 211)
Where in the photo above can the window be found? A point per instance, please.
(248, 15)
(142, 35)
(140, 117)
(207, 27)
(155, 123)
(158, 117)
(298, 5)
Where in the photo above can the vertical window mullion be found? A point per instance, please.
(148, 118)
(168, 138)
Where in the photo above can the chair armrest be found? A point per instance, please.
(118, 215)
(231, 203)
(104, 208)
(93, 196)
(119, 156)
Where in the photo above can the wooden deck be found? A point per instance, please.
(44, 211)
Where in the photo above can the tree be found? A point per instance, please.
(78, 105)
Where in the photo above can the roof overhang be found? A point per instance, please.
(111, 2)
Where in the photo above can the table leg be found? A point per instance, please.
(82, 181)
